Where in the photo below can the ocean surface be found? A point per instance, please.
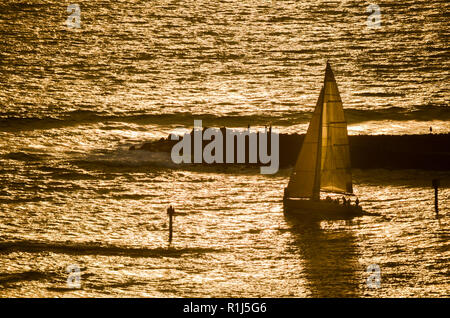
(73, 100)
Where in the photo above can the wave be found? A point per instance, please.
(126, 160)
(11, 122)
(98, 249)
(20, 200)
(11, 278)
(22, 156)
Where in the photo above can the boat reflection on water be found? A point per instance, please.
(330, 257)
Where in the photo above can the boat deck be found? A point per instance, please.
(320, 209)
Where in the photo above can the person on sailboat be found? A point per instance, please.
(357, 201)
(344, 202)
(349, 202)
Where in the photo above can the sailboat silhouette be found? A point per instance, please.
(324, 160)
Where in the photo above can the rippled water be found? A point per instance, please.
(73, 101)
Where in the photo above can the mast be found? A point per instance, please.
(316, 188)
(317, 175)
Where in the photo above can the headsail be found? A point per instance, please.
(326, 137)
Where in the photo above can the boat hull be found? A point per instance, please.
(320, 209)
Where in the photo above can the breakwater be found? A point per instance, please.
(429, 152)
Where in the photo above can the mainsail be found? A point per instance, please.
(324, 160)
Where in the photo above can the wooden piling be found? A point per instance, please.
(170, 213)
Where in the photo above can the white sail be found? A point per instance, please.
(327, 138)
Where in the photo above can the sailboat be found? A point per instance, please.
(323, 163)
